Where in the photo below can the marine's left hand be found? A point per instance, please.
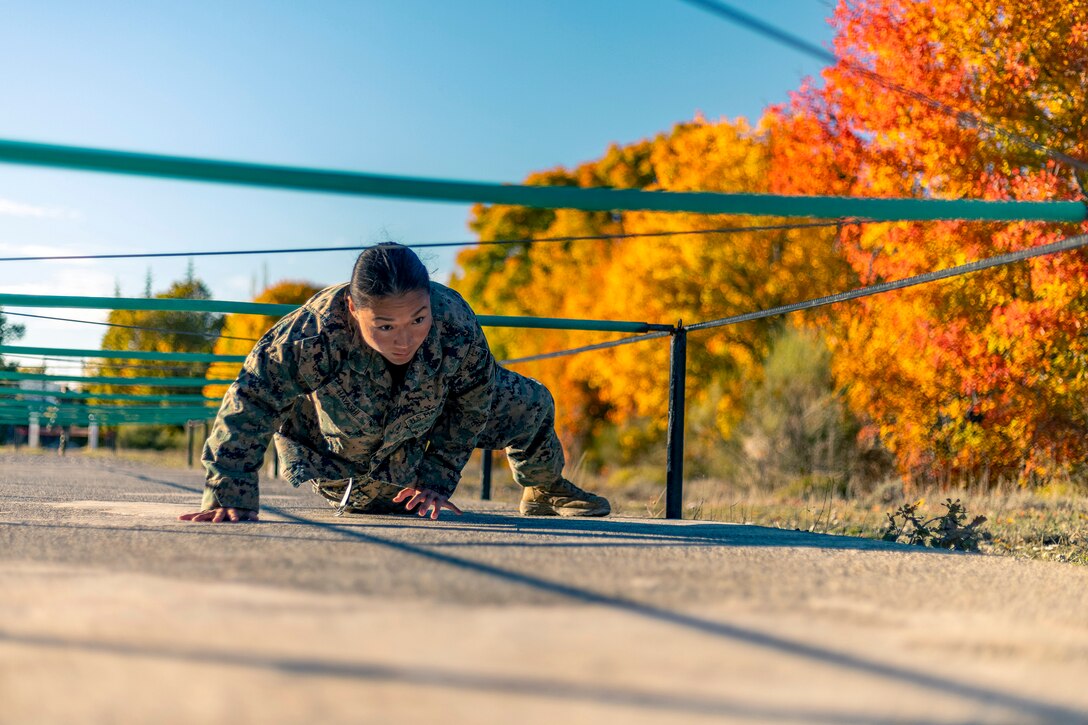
(425, 499)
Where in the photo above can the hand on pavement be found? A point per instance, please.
(425, 499)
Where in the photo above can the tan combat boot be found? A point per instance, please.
(562, 498)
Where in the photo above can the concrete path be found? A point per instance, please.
(111, 611)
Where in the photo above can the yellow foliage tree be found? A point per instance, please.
(659, 279)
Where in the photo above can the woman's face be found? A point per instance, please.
(395, 326)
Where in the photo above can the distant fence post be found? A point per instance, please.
(34, 432)
(485, 475)
(189, 437)
(674, 457)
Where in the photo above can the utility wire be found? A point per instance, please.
(997, 261)
(963, 117)
(427, 245)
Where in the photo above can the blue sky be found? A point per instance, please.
(479, 89)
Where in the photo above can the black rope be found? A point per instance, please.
(962, 117)
(586, 348)
(997, 261)
(427, 245)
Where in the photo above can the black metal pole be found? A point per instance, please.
(485, 475)
(674, 457)
(189, 432)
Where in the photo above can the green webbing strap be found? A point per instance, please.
(546, 197)
(133, 409)
(155, 304)
(277, 310)
(75, 418)
(160, 382)
(121, 397)
(121, 354)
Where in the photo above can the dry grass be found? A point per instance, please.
(166, 459)
(1049, 523)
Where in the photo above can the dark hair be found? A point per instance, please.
(386, 270)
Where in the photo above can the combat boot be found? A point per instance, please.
(562, 498)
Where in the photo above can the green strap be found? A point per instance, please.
(278, 310)
(122, 354)
(160, 382)
(547, 197)
(121, 397)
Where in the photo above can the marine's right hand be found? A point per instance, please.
(218, 515)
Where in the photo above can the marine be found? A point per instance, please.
(375, 392)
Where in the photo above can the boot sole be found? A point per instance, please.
(543, 509)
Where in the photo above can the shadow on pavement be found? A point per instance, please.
(536, 687)
(616, 532)
(1027, 709)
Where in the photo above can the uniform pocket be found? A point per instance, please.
(312, 360)
(348, 430)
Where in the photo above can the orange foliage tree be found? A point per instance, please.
(240, 332)
(982, 376)
(660, 279)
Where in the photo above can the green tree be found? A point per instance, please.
(8, 333)
(160, 331)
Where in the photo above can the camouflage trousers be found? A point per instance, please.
(521, 422)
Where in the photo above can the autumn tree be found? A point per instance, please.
(660, 279)
(983, 376)
(160, 331)
(241, 331)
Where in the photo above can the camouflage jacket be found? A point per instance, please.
(422, 435)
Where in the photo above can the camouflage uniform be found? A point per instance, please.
(329, 399)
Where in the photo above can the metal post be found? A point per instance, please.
(674, 457)
(34, 432)
(485, 475)
(189, 436)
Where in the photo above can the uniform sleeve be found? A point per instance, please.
(464, 416)
(291, 360)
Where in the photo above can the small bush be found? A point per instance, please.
(947, 531)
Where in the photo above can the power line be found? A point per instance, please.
(964, 117)
(429, 245)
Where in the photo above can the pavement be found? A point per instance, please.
(112, 611)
